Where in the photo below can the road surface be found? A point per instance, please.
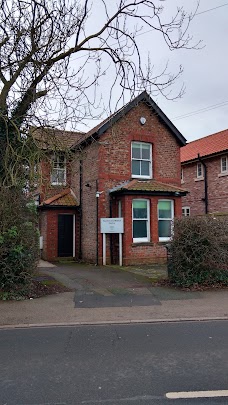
(137, 364)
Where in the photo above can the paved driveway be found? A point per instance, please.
(112, 286)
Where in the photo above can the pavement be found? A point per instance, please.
(112, 294)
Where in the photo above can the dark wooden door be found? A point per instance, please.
(65, 235)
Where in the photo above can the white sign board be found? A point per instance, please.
(112, 225)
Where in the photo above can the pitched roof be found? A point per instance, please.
(65, 198)
(206, 146)
(99, 129)
(55, 139)
(147, 186)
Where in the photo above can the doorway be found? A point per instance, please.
(66, 235)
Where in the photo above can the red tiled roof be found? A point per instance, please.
(206, 146)
(55, 139)
(65, 198)
(148, 185)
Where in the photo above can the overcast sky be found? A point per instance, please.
(203, 109)
(205, 75)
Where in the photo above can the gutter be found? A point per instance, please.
(205, 199)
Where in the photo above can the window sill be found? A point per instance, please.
(199, 179)
(135, 244)
(164, 242)
(58, 184)
(141, 177)
(223, 174)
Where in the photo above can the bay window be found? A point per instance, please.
(165, 218)
(140, 221)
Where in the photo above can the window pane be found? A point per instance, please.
(199, 170)
(136, 167)
(54, 176)
(139, 229)
(145, 168)
(145, 151)
(224, 164)
(139, 209)
(61, 176)
(164, 209)
(61, 161)
(164, 229)
(136, 150)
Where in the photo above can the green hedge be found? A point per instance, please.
(19, 249)
(198, 252)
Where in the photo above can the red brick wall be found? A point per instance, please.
(107, 163)
(46, 188)
(89, 161)
(217, 188)
(115, 150)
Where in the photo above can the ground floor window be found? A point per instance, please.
(140, 220)
(165, 218)
(186, 211)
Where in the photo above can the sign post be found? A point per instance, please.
(112, 225)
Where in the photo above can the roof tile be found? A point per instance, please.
(55, 139)
(148, 185)
(206, 146)
(64, 198)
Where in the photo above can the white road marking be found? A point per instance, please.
(197, 394)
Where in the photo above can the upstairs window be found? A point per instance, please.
(58, 174)
(141, 160)
(224, 164)
(199, 170)
(140, 220)
(165, 218)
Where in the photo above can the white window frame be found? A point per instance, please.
(186, 211)
(139, 176)
(182, 175)
(55, 167)
(226, 163)
(165, 239)
(147, 239)
(199, 176)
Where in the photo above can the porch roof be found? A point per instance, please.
(66, 198)
(153, 187)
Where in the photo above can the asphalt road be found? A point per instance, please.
(113, 364)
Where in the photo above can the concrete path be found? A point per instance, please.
(112, 295)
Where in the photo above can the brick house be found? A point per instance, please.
(204, 165)
(128, 166)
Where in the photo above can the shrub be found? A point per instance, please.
(18, 239)
(199, 251)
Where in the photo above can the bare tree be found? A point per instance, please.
(48, 49)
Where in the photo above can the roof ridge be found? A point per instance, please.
(204, 137)
(100, 128)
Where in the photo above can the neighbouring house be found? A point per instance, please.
(204, 174)
(128, 167)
